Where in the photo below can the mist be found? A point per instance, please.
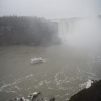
(50, 8)
(64, 33)
(85, 30)
(86, 35)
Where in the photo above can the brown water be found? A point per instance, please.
(64, 73)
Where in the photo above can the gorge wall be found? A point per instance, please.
(27, 31)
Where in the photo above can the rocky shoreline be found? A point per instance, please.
(36, 96)
(93, 93)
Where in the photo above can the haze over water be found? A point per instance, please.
(67, 68)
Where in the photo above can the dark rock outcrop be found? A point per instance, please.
(93, 93)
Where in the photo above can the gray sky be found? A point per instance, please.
(50, 8)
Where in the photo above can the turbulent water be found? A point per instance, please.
(64, 73)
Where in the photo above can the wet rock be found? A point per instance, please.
(93, 93)
(52, 99)
(36, 96)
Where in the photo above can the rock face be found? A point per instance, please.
(93, 93)
(27, 31)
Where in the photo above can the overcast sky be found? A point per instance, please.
(50, 8)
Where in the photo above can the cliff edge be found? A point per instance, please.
(92, 93)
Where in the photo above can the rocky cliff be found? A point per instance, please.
(93, 93)
(28, 31)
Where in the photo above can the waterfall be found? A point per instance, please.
(80, 32)
(67, 26)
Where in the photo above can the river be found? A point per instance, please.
(64, 73)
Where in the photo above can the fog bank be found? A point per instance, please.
(85, 33)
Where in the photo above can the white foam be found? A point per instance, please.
(89, 83)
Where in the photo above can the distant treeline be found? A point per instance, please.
(28, 31)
